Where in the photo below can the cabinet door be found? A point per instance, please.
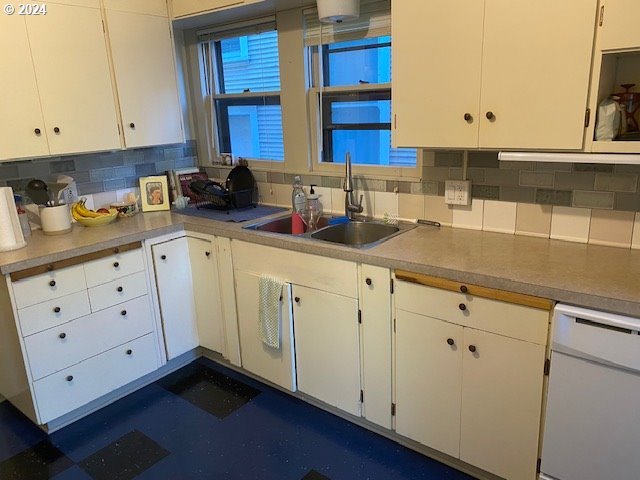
(437, 51)
(275, 365)
(327, 347)
(190, 7)
(501, 404)
(72, 70)
(206, 293)
(376, 344)
(20, 104)
(428, 381)
(145, 72)
(620, 25)
(536, 62)
(151, 7)
(175, 293)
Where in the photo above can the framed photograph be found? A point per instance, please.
(154, 193)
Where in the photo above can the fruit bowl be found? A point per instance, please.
(91, 218)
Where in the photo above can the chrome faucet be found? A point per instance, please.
(350, 208)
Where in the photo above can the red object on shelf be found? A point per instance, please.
(297, 225)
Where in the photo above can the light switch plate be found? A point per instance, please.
(457, 192)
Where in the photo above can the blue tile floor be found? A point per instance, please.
(207, 422)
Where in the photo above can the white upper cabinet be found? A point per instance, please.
(145, 72)
(493, 74)
(182, 8)
(72, 70)
(22, 132)
(150, 7)
(619, 22)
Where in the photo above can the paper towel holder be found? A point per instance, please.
(338, 11)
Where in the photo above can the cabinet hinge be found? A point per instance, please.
(601, 21)
(395, 121)
(361, 396)
(391, 286)
(359, 316)
(587, 117)
(104, 30)
(538, 464)
(119, 131)
(394, 325)
(393, 409)
(547, 366)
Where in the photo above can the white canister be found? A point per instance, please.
(55, 220)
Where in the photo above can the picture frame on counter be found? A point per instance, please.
(154, 193)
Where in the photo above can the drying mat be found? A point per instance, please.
(234, 215)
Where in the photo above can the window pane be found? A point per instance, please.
(370, 147)
(255, 131)
(250, 62)
(361, 112)
(358, 61)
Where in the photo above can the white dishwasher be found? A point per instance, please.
(592, 425)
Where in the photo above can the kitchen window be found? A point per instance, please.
(350, 94)
(242, 90)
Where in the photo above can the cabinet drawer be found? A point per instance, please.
(75, 386)
(117, 291)
(73, 342)
(55, 312)
(516, 321)
(49, 285)
(118, 265)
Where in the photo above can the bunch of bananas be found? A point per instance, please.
(92, 218)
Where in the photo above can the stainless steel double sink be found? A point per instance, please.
(358, 234)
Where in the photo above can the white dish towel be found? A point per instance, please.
(270, 310)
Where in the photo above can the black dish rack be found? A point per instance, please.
(208, 194)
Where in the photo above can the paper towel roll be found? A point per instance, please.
(11, 237)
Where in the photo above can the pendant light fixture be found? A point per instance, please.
(338, 11)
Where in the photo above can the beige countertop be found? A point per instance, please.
(604, 278)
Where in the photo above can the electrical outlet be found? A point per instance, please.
(457, 192)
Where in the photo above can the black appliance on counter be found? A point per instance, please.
(239, 191)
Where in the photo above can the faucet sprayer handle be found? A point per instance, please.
(360, 202)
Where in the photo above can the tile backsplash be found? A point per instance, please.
(95, 173)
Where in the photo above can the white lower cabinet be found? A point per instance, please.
(327, 347)
(79, 384)
(276, 365)
(186, 273)
(473, 394)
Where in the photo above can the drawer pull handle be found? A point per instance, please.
(119, 289)
(368, 281)
(462, 307)
(123, 313)
(468, 118)
(297, 299)
(116, 264)
(63, 335)
(472, 348)
(129, 352)
(207, 253)
(52, 283)
(163, 257)
(56, 310)
(491, 116)
(464, 289)
(451, 341)
(56, 129)
(70, 378)
(37, 131)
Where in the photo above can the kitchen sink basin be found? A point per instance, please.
(356, 234)
(282, 225)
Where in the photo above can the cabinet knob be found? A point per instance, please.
(368, 281)
(63, 335)
(163, 257)
(132, 125)
(56, 130)
(52, 283)
(116, 264)
(129, 352)
(451, 341)
(462, 307)
(468, 118)
(70, 378)
(123, 313)
(37, 131)
(297, 299)
(119, 289)
(56, 310)
(472, 348)
(491, 116)
(464, 289)
(207, 254)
